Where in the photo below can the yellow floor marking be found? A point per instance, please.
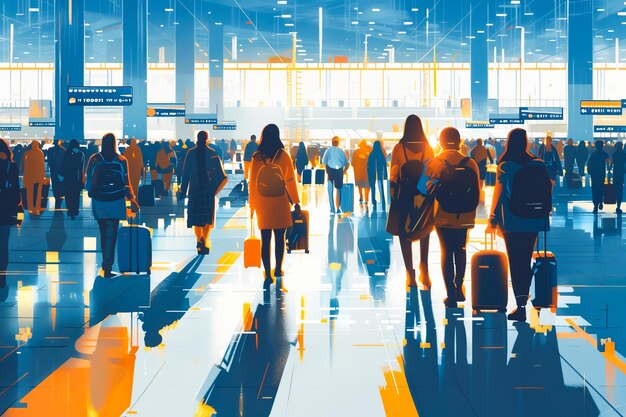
(224, 264)
(239, 220)
(609, 355)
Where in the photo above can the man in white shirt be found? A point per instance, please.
(336, 164)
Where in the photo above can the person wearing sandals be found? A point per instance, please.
(273, 190)
(203, 179)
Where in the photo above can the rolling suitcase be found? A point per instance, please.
(489, 279)
(574, 180)
(134, 249)
(298, 234)
(45, 191)
(545, 286)
(252, 249)
(610, 196)
(307, 177)
(145, 195)
(347, 198)
(320, 176)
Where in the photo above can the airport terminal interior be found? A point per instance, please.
(147, 203)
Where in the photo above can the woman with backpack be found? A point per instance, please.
(408, 159)
(521, 206)
(109, 188)
(273, 190)
(203, 179)
(10, 204)
(72, 174)
(456, 184)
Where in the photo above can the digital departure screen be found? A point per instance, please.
(541, 113)
(601, 107)
(100, 96)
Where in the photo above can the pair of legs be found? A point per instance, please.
(597, 192)
(246, 170)
(580, 164)
(406, 246)
(5, 232)
(619, 192)
(335, 203)
(108, 239)
(381, 191)
(364, 195)
(519, 248)
(279, 251)
(167, 181)
(202, 238)
(453, 262)
(33, 197)
(57, 191)
(72, 200)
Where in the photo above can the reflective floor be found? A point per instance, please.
(340, 336)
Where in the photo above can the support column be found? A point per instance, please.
(579, 67)
(479, 61)
(216, 69)
(135, 66)
(185, 65)
(69, 67)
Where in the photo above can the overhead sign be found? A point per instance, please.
(100, 96)
(541, 113)
(609, 129)
(478, 125)
(201, 119)
(41, 122)
(225, 126)
(10, 128)
(601, 107)
(505, 119)
(166, 110)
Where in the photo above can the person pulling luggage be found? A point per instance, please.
(336, 165)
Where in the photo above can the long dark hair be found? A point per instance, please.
(517, 147)
(6, 149)
(413, 130)
(109, 146)
(270, 142)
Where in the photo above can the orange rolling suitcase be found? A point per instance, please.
(252, 249)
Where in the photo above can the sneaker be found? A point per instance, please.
(109, 274)
(601, 206)
(338, 211)
(519, 314)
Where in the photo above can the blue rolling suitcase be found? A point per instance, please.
(545, 284)
(490, 273)
(145, 195)
(320, 177)
(307, 177)
(347, 198)
(134, 249)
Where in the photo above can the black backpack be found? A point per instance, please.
(108, 182)
(531, 193)
(457, 191)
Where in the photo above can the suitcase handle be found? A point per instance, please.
(492, 239)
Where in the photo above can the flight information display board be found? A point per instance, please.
(601, 107)
(10, 127)
(166, 110)
(225, 126)
(41, 122)
(478, 125)
(609, 129)
(100, 96)
(201, 119)
(541, 113)
(505, 119)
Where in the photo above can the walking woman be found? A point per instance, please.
(203, 178)
(359, 164)
(73, 177)
(377, 172)
(109, 188)
(10, 204)
(413, 146)
(582, 154)
(302, 160)
(164, 165)
(273, 190)
(34, 172)
(520, 233)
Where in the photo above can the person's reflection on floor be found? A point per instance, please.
(56, 235)
(455, 381)
(8, 353)
(340, 244)
(374, 246)
(170, 301)
(536, 383)
(247, 383)
(420, 354)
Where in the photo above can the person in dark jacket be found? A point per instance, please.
(550, 156)
(9, 206)
(73, 178)
(619, 162)
(302, 160)
(582, 154)
(596, 167)
(377, 172)
(569, 156)
(55, 158)
(203, 178)
(248, 151)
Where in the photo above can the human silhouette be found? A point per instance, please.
(109, 188)
(55, 158)
(359, 164)
(336, 165)
(481, 155)
(520, 233)
(582, 154)
(569, 157)
(411, 152)
(273, 190)
(34, 172)
(164, 166)
(203, 178)
(302, 160)
(618, 168)
(248, 151)
(596, 168)
(550, 156)
(10, 205)
(72, 174)
(136, 167)
(377, 173)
